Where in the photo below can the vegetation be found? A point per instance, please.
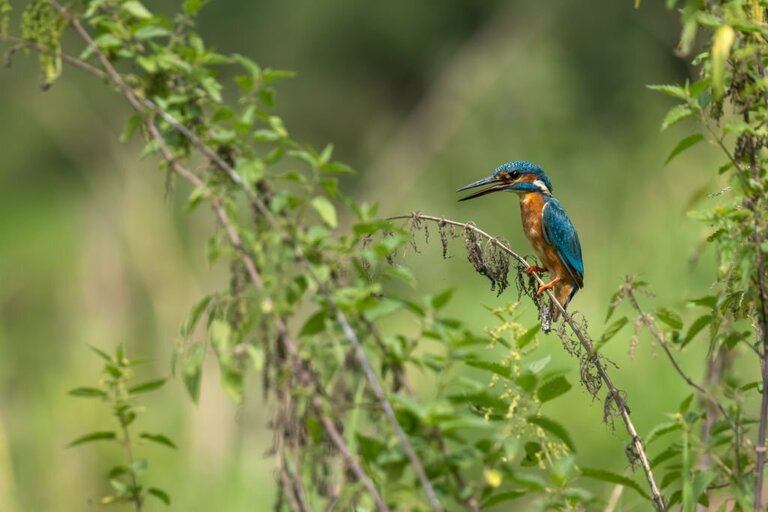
(318, 290)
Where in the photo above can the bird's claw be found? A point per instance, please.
(534, 269)
(548, 286)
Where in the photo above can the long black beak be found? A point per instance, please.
(494, 185)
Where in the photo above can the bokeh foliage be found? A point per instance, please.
(234, 313)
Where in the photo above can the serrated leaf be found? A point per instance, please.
(555, 429)
(614, 478)
(671, 90)
(159, 439)
(670, 318)
(553, 388)
(93, 436)
(145, 387)
(684, 144)
(326, 210)
(675, 115)
(87, 392)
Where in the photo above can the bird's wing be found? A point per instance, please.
(560, 234)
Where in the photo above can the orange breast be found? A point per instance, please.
(531, 206)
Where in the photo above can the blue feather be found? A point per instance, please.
(560, 234)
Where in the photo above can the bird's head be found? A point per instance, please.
(520, 176)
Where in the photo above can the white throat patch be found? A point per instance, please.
(540, 184)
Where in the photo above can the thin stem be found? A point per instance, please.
(649, 323)
(613, 392)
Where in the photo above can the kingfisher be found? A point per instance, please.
(546, 225)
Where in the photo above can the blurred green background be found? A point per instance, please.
(420, 97)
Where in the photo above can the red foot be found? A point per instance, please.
(534, 269)
(541, 289)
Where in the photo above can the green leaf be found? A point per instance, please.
(101, 353)
(498, 498)
(93, 436)
(528, 336)
(684, 144)
(159, 494)
(553, 388)
(670, 318)
(696, 327)
(145, 387)
(539, 364)
(675, 115)
(701, 481)
(614, 478)
(326, 210)
(611, 331)
(86, 392)
(314, 324)
(555, 429)
(136, 9)
(192, 371)
(671, 90)
(441, 299)
(660, 430)
(493, 367)
(721, 49)
(158, 438)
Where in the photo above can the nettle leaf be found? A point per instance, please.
(443, 298)
(611, 331)
(675, 115)
(555, 429)
(528, 336)
(159, 439)
(314, 324)
(87, 392)
(498, 498)
(614, 478)
(493, 367)
(159, 494)
(192, 371)
(136, 9)
(539, 364)
(684, 144)
(92, 437)
(553, 388)
(660, 430)
(670, 318)
(671, 90)
(145, 387)
(326, 210)
(697, 326)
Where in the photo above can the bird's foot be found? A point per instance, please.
(548, 286)
(534, 269)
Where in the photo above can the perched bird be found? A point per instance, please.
(545, 223)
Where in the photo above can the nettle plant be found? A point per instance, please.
(309, 304)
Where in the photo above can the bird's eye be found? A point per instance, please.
(514, 175)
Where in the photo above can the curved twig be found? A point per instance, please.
(584, 340)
